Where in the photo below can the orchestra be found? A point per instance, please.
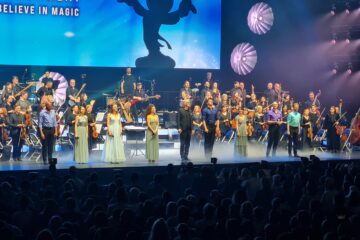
(239, 116)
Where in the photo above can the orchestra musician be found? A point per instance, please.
(274, 121)
(71, 92)
(314, 116)
(17, 124)
(312, 101)
(7, 92)
(16, 85)
(23, 102)
(263, 103)
(307, 130)
(185, 92)
(216, 94)
(224, 120)
(259, 122)
(46, 90)
(9, 104)
(128, 84)
(235, 89)
(48, 133)
(70, 120)
(287, 102)
(84, 100)
(46, 78)
(270, 93)
(184, 125)
(141, 102)
(278, 92)
(293, 130)
(209, 78)
(242, 93)
(330, 123)
(91, 123)
(205, 91)
(251, 105)
(210, 123)
(3, 125)
(241, 134)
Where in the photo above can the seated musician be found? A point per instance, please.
(141, 102)
(71, 93)
(23, 102)
(9, 104)
(8, 91)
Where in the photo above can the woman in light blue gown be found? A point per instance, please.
(152, 134)
(114, 146)
(81, 137)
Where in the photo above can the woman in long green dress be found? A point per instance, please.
(241, 138)
(114, 146)
(81, 137)
(152, 136)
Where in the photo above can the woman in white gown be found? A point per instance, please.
(114, 146)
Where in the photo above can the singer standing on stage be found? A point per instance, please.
(184, 124)
(293, 129)
(152, 134)
(81, 137)
(48, 132)
(16, 122)
(274, 120)
(210, 122)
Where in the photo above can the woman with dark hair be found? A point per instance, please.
(81, 137)
(152, 134)
(114, 146)
(330, 123)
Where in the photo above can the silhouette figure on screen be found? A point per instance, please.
(158, 13)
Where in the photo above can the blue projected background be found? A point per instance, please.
(105, 33)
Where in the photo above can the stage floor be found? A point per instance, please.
(224, 152)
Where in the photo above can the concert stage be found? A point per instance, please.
(222, 151)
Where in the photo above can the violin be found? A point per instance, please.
(249, 129)
(310, 133)
(28, 121)
(355, 128)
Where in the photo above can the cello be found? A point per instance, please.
(355, 128)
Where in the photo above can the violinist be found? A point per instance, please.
(315, 120)
(9, 104)
(23, 102)
(224, 120)
(205, 91)
(243, 94)
(330, 123)
(216, 94)
(252, 103)
(287, 102)
(3, 126)
(17, 124)
(185, 92)
(312, 100)
(70, 119)
(46, 90)
(8, 91)
(259, 123)
(263, 103)
(307, 130)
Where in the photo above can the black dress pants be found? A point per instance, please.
(293, 140)
(274, 137)
(185, 138)
(209, 141)
(48, 143)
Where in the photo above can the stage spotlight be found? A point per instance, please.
(334, 38)
(260, 18)
(335, 68)
(350, 68)
(333, 9)
(347, 7)
(243, 58)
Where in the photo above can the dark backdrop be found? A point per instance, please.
(288, 54)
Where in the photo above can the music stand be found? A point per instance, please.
(138, 134)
